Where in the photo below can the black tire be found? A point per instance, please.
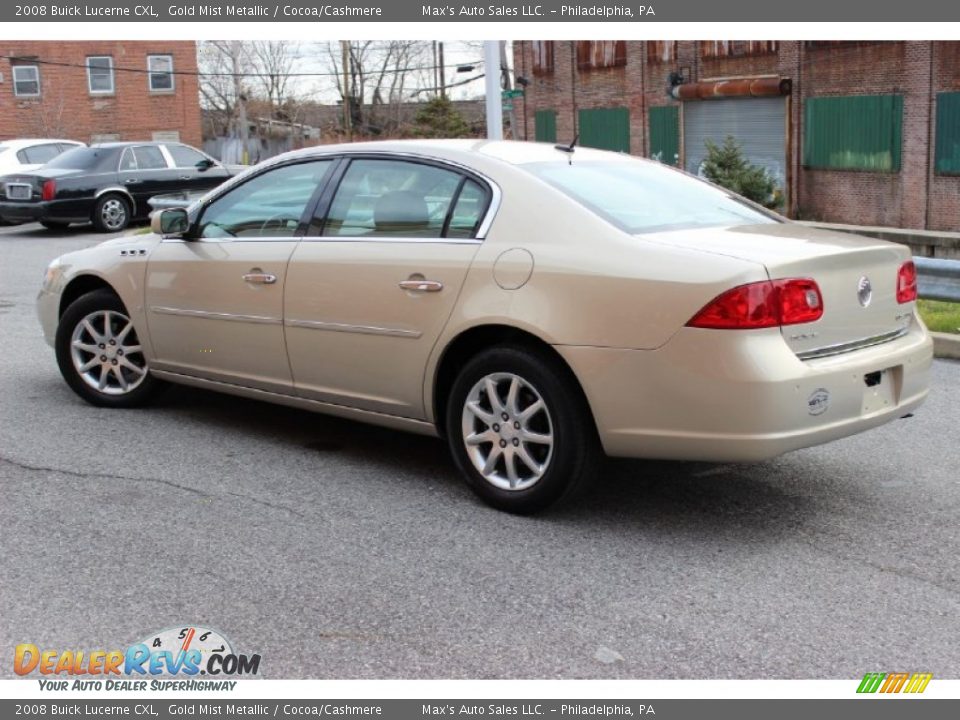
(111, 213)
(51, 225)
(96, 302)
(575, 455)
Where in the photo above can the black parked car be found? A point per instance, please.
(106, 184)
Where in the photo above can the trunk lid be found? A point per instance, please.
(857, 278)
(26, 187)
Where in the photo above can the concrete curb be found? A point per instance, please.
(946, 345)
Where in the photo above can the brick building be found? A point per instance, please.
(98, 91)
(864, 132)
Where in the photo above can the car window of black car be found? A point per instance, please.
(184, 156)
(149, 157)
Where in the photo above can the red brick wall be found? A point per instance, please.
(914, 197)
(67, 109)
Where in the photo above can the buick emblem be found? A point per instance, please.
(864, 291)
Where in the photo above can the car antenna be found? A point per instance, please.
(568, 148)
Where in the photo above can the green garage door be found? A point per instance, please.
(545, 126)
(605, 128)
(665, 134)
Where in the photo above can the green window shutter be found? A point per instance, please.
(605, 128)
(545, 126)
(862, 132)
(947, 153)
(665, 134)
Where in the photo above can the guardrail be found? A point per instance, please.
(938, 279)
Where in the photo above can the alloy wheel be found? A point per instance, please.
(507, 431)
(106, 353)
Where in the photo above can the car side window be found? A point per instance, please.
(268, 205)
(38, 154)
(391, 198)
(184, 156)
(149, 157)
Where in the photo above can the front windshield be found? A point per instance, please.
(644, 197)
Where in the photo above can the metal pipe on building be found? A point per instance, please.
(756, 87)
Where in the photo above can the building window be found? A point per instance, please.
(26, 81)
(160, 69)
(947, 153)
(545, 126)
(542, 56)
(593, 54)
(736, 48)
(861, 132)
(100, 75)
(605, 128)
(661, 51)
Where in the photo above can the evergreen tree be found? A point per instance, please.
(438, 118)
(726, 166)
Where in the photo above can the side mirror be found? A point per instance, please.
(205, 164)
(172, 222)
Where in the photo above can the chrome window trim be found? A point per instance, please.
(845, 347)
(496, 196)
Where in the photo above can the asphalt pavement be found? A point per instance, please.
(337, 550)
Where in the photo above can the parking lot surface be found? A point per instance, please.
(338, 550)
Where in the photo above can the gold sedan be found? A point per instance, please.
(536, 307)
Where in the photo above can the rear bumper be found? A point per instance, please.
(723, 396)
(53, 211)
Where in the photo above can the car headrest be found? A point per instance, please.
(401, 210)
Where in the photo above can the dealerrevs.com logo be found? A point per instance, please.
(183, 652)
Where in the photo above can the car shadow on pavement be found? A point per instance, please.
(693, 499)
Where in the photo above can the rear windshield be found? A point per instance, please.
(643, 197)
(85, 158)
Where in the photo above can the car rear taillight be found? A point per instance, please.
(49, 190)
(907, 282)
(765, 304)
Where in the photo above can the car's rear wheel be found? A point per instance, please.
(100, 355)
(520, 430)
(51, 225)
(111, 213)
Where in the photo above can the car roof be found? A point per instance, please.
(509, 151)
(27, 142)
(132, 143)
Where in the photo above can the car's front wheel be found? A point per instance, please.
(520, 430)
(111, 213)
(100, 355)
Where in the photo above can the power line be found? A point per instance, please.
(201, 74)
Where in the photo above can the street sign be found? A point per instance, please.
(508, 106)
(510, 94)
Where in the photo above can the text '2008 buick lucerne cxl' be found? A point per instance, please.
(536, 307)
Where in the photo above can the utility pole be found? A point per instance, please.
(507, 84)
(236, 48)
(347, 120)
(443, 74)
(491, 70)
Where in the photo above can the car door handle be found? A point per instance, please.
(260, 278)
(422, 285)
(131, 181)
(184, 177)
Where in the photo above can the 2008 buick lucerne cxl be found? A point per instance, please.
(535, 307)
